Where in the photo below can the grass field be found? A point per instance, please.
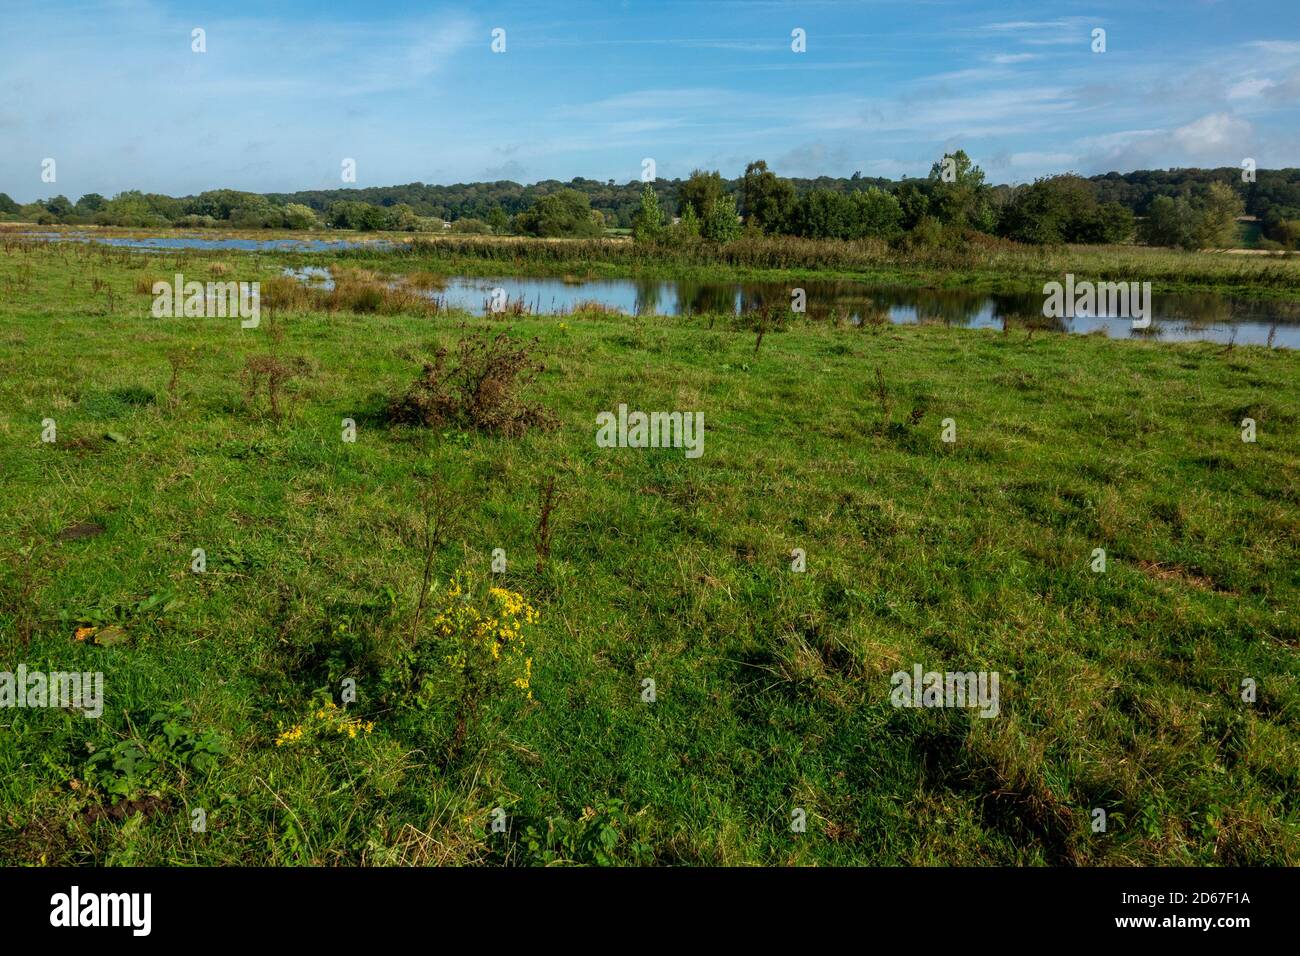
(1120, 690)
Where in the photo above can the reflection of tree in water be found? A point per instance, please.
(705, 297)
(1196, 311)
(648, 295)
(758, 298)
(1025, 311)
(859, 303)
(948, 306)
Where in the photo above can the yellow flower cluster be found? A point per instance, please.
(489, 638)
(292, 735)
(327, 720)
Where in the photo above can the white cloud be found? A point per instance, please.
(1060, 31)
(1212, 133)
(1248, 89)
(1283, 47)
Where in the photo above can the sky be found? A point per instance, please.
(115, 94)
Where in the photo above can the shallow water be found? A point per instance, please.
(1175, 317)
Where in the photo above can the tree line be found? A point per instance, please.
(1189, 208)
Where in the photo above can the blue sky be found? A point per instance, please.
(413, 91)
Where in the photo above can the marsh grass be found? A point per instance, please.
(358, 291)
(976, 262)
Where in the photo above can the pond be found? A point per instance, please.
(1174, 317)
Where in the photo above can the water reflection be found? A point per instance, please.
(1179, 317)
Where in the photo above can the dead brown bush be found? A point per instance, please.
(479, 388)
(271, 373)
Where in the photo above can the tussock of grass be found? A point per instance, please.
(358, 291)
(593, 307)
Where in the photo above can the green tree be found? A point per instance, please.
(1286, 232)
(648, 223)
(1216, 226)
(914, 201)
(875, 213)
(90, 204)
(766, 200)
(958, 194)
(564, 213)
(37, 213)
(699, 192)
(1109, 223)
(688, 225)
(721, 222)
(255, 212)
(401, 218)
(1046, 210)
(362, 216)
(298, 216)
(1064, 208)
(218, 203)
(822, 214)
(1170, 222)
(59, 206)
(130, 208)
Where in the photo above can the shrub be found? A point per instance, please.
(479, 389)
(824, 214)
(471, 227)
(165, 749)
(926, 234)
(700, 192)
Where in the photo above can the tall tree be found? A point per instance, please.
(766, 199)
(958, 194)
(1218, 212)
(699, 192)
(648, 223)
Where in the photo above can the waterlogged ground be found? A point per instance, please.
(1185, 317)
(1164, 689)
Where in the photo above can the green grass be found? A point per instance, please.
(1118, 690)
